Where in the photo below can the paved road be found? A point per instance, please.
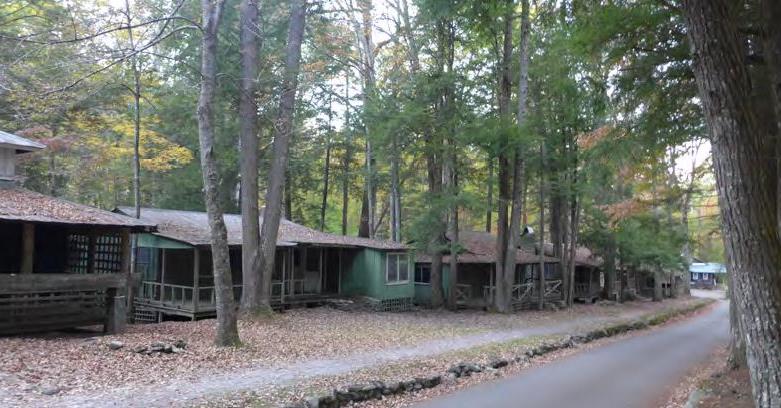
(632, 373)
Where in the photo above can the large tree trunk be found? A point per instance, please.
(504, 95)
(227, 330)
(746, 196)
(395, 193)
(772, 49)
(541, 280)
(366, 228)
(136, 153)
(514, 230)
(283, 130)
(248, 133)
(737, 344)
(490, 198)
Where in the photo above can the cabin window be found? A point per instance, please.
(397, 269)
(423, 274)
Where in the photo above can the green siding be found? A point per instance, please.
(423, 292)
(364, 275)
(156, 241)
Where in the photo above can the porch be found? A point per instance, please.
(55, 276)
(588, 284)
(477, 285)
(179, 281)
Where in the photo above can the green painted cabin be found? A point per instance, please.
(311, 267)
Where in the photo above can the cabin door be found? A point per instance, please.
(313, 270)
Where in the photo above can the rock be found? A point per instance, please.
(328, 401)
(298, 404)
(343, 396)
(176, 350)
(116, 345)
(474, 368)
(393, 388)
(449, 379)
(158, 344)
(499, 363)
(312, 402)
(168, 349)
(140, 349)
(180, 344)
(156, 348)
(50, 389)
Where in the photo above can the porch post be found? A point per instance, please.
(91, 252)
(116, 312)
(125, 269)
(162, 274)
(196, 276)
(28, 248)
(284, 272)
(339, 284)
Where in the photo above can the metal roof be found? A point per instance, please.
(19, 204)
(192, 227)
(707, 267)
(19, 143)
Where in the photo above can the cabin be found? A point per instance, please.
(589, 279)
(707, 275)
(311, 267)
(62, 264)
(477, 275)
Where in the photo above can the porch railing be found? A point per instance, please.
(463, 292)
(582, 289)
(290, 287)
(181, 296)
(520, 292)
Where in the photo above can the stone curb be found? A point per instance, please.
(375, 390)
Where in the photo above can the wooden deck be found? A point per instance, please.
(200, 302)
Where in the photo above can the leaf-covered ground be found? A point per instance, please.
(80, 365)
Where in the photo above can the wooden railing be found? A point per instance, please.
(552, 287)
(463, 292)
(582, 289)
(181, 296)
(520, 292)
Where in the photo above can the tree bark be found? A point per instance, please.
(347, 159)
(366, 228)
(283, 130)
(504, 94)
(514, 230)
(326, 168)
(490, 198)
(248, 134)
(772, 50)
(737, 344)
(746, 198)
(136, 152)
(227, 329)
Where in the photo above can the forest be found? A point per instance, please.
(582, 122)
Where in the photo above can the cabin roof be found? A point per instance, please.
(707, 267)
(583, 255)
(19, 143)
(192, 227)
(480, 248)
(20, 204)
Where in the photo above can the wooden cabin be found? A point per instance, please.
(589, 279)
(311, 266)
(62, 264)
(477, 275)
(707, 275)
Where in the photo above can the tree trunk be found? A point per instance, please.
(326, 168)
(248, 134)
(283, 130)
(746, 196)
(657, 297)
(347, 159)
(737, 344)
(366, 229)
(490, 199)
(772, 50)
(227, 329)
(573, 247)
(541, 280)
(395, 193)
(434, 246)
(610, 268)
(136, 153)
(504, 95)
(514, 230)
